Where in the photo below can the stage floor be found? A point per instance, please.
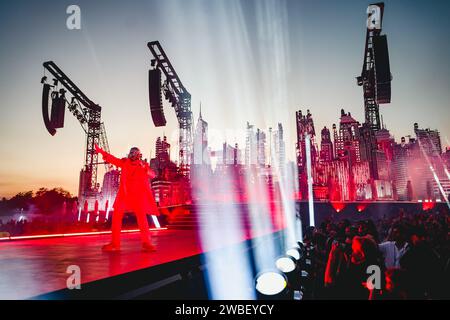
(37, 266)
(32, 267)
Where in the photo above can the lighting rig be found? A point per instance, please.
(376, 80)
(177, 95)
(85, 111)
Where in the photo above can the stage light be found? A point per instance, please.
(338, 206)
(286, 264)
(272, 285)
(361, 207)
(294, 253)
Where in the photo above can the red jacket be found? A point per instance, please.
(134, 192)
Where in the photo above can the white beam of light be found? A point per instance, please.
(447, 173)
(155, 221)
(310, 180)
(254, 94)
(293, 224)
(271, 20)
(440, 186)
(228, 272)
(436, 178)
(260, 223)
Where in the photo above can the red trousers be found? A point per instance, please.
(117, 227)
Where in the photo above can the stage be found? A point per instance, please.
(38, 266)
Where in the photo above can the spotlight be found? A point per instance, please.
(286, 264)
(294, 253)
(289, 266)
(44, 79)
(272, 285)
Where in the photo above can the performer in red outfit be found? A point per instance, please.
(134, 195)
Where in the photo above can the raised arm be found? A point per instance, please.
(109, 158)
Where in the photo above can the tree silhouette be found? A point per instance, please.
(22, 200)
(51, 201)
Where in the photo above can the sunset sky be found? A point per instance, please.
(256, 61)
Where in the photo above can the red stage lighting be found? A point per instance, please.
(361, 207)
(338, 206)
(428, 205)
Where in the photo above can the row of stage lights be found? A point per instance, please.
(289, 280)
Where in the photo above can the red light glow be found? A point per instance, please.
(338, 206)
(428, 205)
(361, 207)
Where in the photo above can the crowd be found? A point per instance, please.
(410, 251)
